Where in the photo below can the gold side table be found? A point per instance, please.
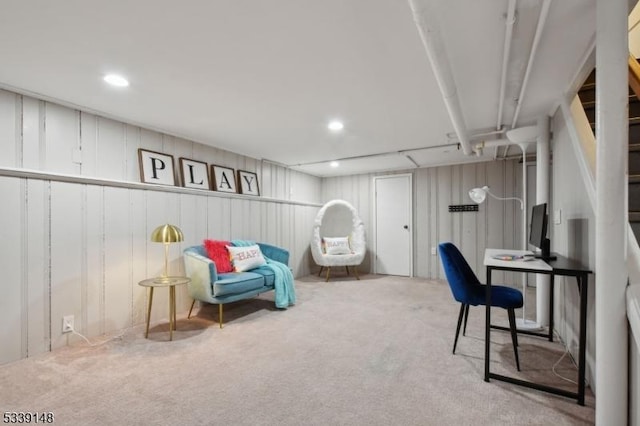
(170, 282)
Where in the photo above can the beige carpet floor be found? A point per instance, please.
(370, 352)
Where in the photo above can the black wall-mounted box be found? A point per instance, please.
(463, 208)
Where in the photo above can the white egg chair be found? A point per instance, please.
(338, 218)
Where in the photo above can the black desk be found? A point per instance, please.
(562, 266)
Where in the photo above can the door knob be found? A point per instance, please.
(406, 227)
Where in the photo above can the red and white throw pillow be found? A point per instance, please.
(217, 251)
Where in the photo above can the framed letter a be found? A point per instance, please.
(224, 179)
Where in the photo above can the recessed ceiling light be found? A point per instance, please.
(334, 164)
(336, 125)
(116, 80)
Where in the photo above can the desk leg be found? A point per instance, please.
(487, 326)
(146, 333)
(551, 300)
(583, 281)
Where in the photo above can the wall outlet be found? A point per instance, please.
(433, 251)
(67, 323)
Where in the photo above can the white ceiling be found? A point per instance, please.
(264, 78)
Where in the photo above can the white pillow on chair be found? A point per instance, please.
(338, 245)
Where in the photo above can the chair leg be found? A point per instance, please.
(455, 341)
(328, 272)
(347, 270)
(466, 317)
(191, 309)
(356, 270)
(220, 314)
(514, 334)
(320, 271)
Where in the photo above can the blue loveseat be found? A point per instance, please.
(207, 285)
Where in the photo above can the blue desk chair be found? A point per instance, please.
(469, 291)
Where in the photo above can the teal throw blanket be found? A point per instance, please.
(285, 291)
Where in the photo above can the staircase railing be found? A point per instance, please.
(633, 251)
(584, 144)
(634, 75)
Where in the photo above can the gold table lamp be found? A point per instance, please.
(166, 234)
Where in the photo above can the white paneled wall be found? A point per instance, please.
(497, 224)
(573, 237)
(39, 135)
(78, 243)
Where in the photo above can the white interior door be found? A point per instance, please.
(393, 225)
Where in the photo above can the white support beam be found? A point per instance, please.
(612, 52)
(426, 19)
(542, 20)
(506, 53)
(543, 282)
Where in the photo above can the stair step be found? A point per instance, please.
(634, 216)
(634, 113)
(634, 159)
(634, 193)
(634, 133)
(589, 101)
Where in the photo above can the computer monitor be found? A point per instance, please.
(538, 231)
